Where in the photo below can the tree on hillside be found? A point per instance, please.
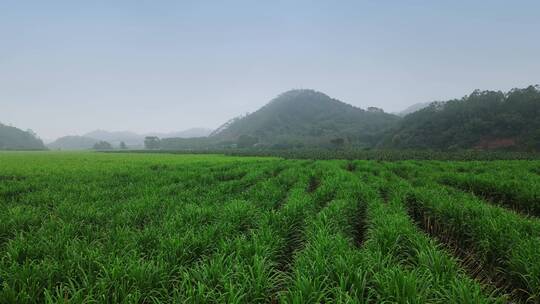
(338, 142)
(375, 110)
(123, 145)
(102, 145)
(31, 132)
(152, 142)
(247, 141)
(481, 120)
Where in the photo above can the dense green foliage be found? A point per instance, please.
(162, 228)
(102, 145)
(308, 118)
(368, 154)
(482, 120)
(197, 143)
(502, 245)
(152, 142)
(12, 138)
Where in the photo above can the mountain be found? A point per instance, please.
(411, 109)
(189, 133)
(115, 137)
(482, 120)
(134, 139)
(12, 138)
(306, 118)
(73, 143)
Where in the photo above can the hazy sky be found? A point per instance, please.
(68, 67)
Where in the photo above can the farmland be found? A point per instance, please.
(163, 228)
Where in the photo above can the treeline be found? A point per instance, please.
(366, 154)
(482, 120)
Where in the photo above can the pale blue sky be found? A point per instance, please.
(68, 67)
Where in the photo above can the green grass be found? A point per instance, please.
(162, 228)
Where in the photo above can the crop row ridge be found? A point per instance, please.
(493, 199)
(313, 184)
(488, 276)
(360, 225)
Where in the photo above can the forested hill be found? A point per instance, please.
(482, 120)
(12, 138)
(307, 118)
(73, 143)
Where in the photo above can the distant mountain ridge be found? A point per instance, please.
(308, 118)
(73, 143)
(115, 137)
(131, 138)
(188, 133)
(413, 108)
(12, 138)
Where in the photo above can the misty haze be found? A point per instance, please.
(269, 152)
